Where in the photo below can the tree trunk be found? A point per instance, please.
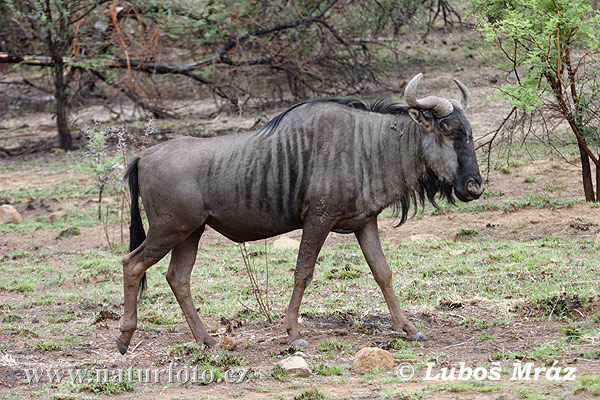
(586, 172)
(598, 180)
(60, 92)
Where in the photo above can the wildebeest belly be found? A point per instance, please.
(242, 227)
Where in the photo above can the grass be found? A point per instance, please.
(469, 386)
(324, 369)
(220, 359)
(546, 353)
(404, 394)
(528, 394)
(46, 346)
(335, 344)
(311, 394)
(590, 384)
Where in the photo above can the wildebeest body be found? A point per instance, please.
(322, 165)
(255, 186)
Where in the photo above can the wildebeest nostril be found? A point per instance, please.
(474, 188)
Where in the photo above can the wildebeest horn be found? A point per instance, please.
(464, 101)
(439, 107)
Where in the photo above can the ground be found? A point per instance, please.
(511, 278)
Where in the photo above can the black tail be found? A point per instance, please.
(137, 235)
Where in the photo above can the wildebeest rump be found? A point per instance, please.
(322, 165)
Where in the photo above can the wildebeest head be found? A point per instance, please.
(448, 141)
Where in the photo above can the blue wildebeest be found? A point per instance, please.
(322, 165)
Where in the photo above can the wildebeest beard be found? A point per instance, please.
(428, 187)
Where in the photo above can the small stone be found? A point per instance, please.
(458, 252)
(300, 354)
(9, 215)
(285, 242)
(57, 216)
(370, 359)
(228, 343)
(295, 366)
(598, 240)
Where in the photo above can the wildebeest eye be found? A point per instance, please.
(446, 129)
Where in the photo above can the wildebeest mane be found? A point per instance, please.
(382, 106)
(272, 125)
(385, 105)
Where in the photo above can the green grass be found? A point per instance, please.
(335, 344)
(71, 225)
(311, 394)
(590, 384)
(528, 394)
(496, 202)
(404, 394)
(220, 359)
(546, 353)
(45, 346)
(328, 370)
(469, 386)
(536, 201)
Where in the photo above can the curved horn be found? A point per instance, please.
(439, 107)
(464, 101)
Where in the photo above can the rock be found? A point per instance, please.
(228, 343)
(598, 240)
(426, 237)
(300, 354)
(57, 216)
(295, 366)
(9, 215)
(458, 252)
(369, 359)
(285, 242)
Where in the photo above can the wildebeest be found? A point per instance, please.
(322, 165)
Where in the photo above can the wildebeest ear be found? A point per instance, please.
(420, 119)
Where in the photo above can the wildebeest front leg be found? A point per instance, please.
(314, 233)
(368, 238)
(183, 258)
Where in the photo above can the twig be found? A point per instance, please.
(136, 346)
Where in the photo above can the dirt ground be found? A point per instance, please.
(449, 341)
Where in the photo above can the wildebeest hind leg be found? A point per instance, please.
(368, 238)
(314, 233)
(135, 264)
(183, 257)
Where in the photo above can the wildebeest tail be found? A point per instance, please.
(137, 235)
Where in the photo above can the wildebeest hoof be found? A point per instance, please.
(419, 336)
(122, 347)
(299, 343)
(209, 342)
